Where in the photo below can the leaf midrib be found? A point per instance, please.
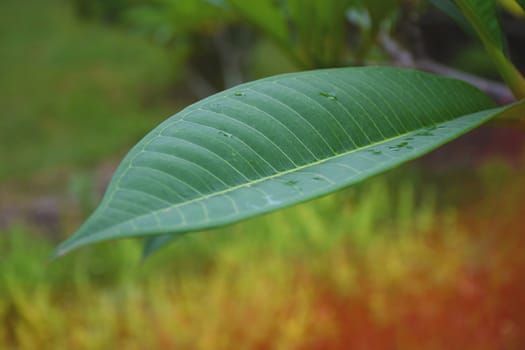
(509, 109)
(266, 178)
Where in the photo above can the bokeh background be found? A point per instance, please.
(427, 256)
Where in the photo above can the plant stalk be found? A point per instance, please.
(509, 73)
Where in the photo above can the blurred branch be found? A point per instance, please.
(231, 59)
(404, 58)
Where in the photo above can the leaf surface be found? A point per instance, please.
(275, 142)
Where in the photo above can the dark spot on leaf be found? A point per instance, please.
(401, 145)
(329, 95)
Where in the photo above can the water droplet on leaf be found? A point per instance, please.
(214, 107)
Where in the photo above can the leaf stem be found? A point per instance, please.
(509, 73)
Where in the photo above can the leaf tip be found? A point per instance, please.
(65, 247)
(57, 253)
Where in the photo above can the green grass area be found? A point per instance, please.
(72, 92)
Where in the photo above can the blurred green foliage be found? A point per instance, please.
(332, 272)
(313, 238)
(311, 34)
(72, 93)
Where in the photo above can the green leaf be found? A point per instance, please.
(275, 142)
(483, 16)
(450, 8)
(521, 3)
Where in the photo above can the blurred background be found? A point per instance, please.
(427, 256)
